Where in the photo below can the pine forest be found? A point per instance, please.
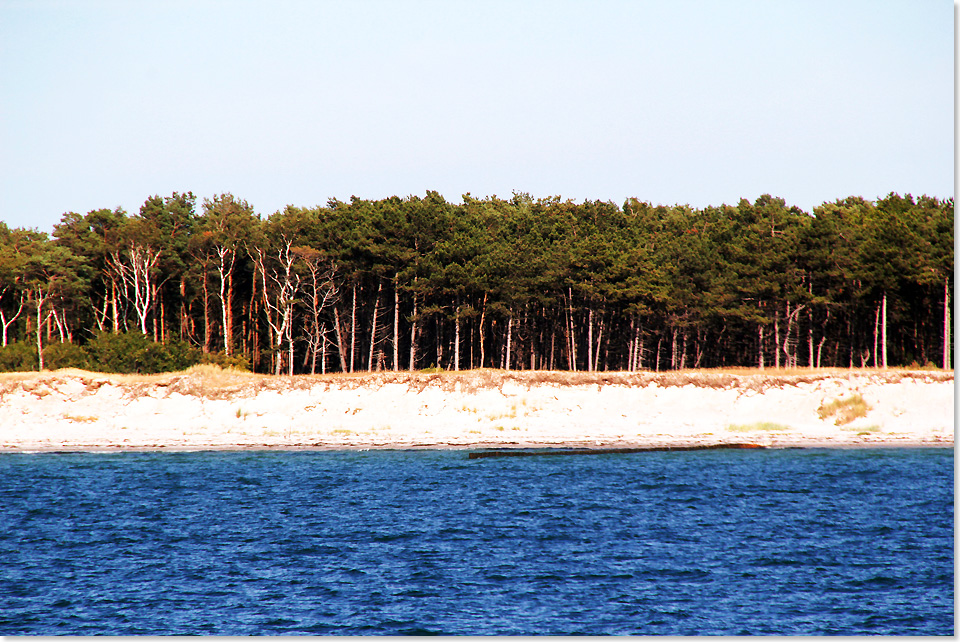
(421, 283)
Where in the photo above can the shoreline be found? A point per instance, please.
(208, 409)
(613, 449)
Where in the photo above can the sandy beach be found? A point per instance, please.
(206, 408)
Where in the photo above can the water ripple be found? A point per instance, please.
(422, 543)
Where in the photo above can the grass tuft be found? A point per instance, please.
(845, 410)
(760, 426)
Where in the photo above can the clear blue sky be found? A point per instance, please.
(103, 104)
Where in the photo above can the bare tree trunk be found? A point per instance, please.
(791, 356)
(439, 323)
(638, 347)
(373, 328)
(810, 327)
(483, 314)
(340, 346)
(353, 327)
(884, 329)
(183, 305)
(509, 341)
(396, 324)
(876, 334)
(776, 339)
(683, 350)
(596, 354)
(533, 340)
(290, 347)
(572, 335)
(946, 324)
(590, 339)
(323, 359)
(456, 340)
(228, 316)
(553, 338)
(116, 311)
(760, 343)
(206, 315)
(413, 335)
(8, 322)
(39, 302)
(226, 296)
(673, 350)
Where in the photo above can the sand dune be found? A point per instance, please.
(205, 408)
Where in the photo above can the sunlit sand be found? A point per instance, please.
(206, 408)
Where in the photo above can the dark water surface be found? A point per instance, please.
(715, 542)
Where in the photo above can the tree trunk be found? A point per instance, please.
(673, 350)
(439, 323)
(884, 329)
(116, 311)
(638, 346)
(396, 324)
(553, 338)
(183, 305)
(483, 314)
(340, 346)
(946, 324)
(683, 350)
(228, 331)
(760, 343)
(413, 335)
(8, 322)
(776, 339)
(225, 302)
(876, 339)
(572, 333)
(373, 325)
(590, 339)
(456, 340)
(509, 341)
(596, 357)
(290, 344)
(40, 364)
(206, 315)
(810, 328)
(353, 328)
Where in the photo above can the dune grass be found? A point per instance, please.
(760, 426)
(845, 410)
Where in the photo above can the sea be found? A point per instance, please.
(732, 542)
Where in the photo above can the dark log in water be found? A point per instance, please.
(603, 451)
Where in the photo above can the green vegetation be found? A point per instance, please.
(760, 426)
(517, 283)
(845, 410)
(125, 353)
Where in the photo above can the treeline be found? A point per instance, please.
(521, 283)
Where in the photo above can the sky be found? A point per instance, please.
(701, 102)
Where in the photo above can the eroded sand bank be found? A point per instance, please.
(209, 409)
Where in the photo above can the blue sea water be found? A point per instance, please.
(792, 542)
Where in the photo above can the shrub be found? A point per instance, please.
(19, 356)
(234, 362)
(64, 355)
(134, 352)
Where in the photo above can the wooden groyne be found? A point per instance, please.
(606, 451)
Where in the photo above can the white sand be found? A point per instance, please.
(84, 411)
